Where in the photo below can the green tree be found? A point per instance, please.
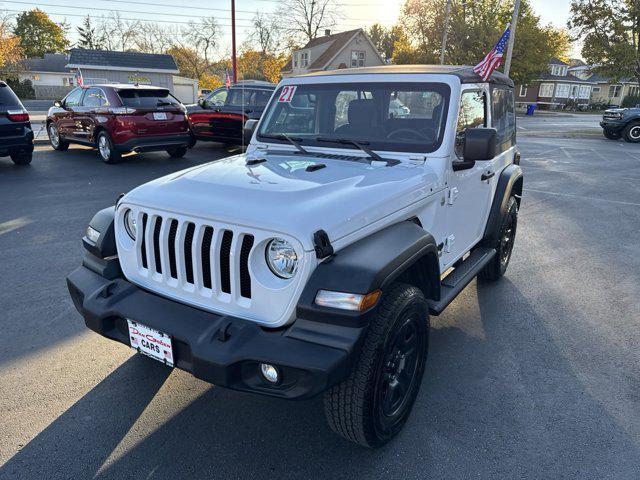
(39, 34)
(385, 38)
(609, 30)
(87, 36)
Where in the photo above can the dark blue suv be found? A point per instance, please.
(16, 135)
(621, 123)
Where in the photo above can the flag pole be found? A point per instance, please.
(234, 62)
(512, 37)
(447, 14)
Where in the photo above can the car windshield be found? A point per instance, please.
(147, 98)
(407, 117)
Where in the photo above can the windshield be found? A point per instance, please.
(406, 117)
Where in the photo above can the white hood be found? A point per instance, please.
(281, 196)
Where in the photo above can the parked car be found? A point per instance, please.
(221, 115)
(16, 135)
(119, 119)
(621, 123)
(310, 264)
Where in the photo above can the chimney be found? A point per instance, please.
(327, 32)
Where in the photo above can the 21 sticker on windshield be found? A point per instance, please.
(288, 91)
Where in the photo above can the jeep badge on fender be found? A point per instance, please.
(366, 201)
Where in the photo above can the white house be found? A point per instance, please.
(349, 49)
(49, 75)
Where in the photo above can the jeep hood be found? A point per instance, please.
(280, 195)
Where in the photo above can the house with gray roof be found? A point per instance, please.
(350, 49)
(49, 75)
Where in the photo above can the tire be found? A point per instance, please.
(611, 134)
(177, 152)
(22, 158)
(106, 149)
(497, 267)
(57, 143)
(364, 408)
(631, 133)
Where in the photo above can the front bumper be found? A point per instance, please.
(155, 143)
(612, 125)
(311, 356)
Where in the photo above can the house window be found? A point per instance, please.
(584, 92)
(634, 91)
(574, 91)
(546, 90)
(295, 60)
(523, 91)
(595, 89)
(615, 91)
(304, 59)
(559, 70)
(357, 59)
(562, 90)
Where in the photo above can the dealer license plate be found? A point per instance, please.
(151, 342)
(159, 116)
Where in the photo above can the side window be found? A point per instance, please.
(73, 99)
(503, 117)
(262, 97)
(472, 114)
(94, 98)
(217, 98)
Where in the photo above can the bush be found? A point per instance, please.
(630, 101)
(23, 89)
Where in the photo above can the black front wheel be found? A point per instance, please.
(611, 134)
(372, 405)
(631, 133)
(177, 152)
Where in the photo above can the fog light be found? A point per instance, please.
(270, 373)
(93, 234)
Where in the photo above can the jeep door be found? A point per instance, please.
(471, 186)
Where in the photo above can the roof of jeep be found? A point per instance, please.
(464, 72)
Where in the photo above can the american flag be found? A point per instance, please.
(79, 80)
(494, 58)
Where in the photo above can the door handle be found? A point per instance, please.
(487, 176)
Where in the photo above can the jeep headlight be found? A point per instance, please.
(130, 223)
(281, 258)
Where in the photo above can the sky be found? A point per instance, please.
(356, 13)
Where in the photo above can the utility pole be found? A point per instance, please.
(234, 62)
(512, 37)
(447, 14)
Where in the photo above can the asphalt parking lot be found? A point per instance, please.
(535, 376)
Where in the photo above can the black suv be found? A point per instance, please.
(621, 123)
(220, 116)
(16, 135)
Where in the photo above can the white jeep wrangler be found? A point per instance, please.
(366, 200)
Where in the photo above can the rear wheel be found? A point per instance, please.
(177, 152)
(611, 134)
(497, 267)
(372, 405)
(54, 138)
(106, 149)
(22, 158)
(631, 133)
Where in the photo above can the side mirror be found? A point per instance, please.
(57, 103)
(479, 144)
(248, 130)
(201, 101)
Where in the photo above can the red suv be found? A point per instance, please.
(118, 119)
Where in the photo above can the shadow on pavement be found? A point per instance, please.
(499, 400)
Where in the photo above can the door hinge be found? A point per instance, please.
(322, 244)
(453, 195)
(448, 243)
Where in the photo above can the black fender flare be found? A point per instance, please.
(509, 184)
(403, 251)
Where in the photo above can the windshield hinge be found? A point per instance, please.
(322, 244)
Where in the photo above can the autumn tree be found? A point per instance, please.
(609, 30)
(39, 34)
(304, 19)
(10, 50)
(385, 39)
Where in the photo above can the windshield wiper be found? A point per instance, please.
(359, 144)
(292, 140)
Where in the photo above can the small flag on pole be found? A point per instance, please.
(494, 58)
(227, 80)
(79, 80)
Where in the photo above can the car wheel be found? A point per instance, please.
(372, 405)
(497, 267)
(22, 158)
(177, 152)
(611, 134)
(106, 149)
(631, 133)
(54, 138)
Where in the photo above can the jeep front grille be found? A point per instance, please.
(189, 255)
